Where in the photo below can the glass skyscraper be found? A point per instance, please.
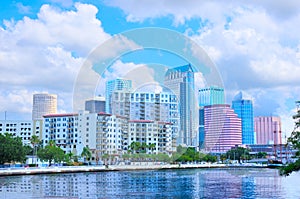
(180, 80)
(115, 85)
(244, 109)
(208, 96)
(211, 95)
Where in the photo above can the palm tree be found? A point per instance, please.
(144, 146)
(135, 146)
(86, 153)
(34, 141)
(151, 147)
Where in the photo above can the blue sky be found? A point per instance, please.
(255, 46)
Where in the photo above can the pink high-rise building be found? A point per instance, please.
(268, 130)
(223, 128)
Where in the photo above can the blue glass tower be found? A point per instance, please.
(244, 109)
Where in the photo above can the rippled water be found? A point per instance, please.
(189, 183)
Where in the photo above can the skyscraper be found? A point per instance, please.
(222, 128)
(208, 96)
(161, 107)
(244, 109)
(211, 95)
(180, 81)
(115, 85)
(43, 104)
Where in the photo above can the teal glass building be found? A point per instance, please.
(244, 109)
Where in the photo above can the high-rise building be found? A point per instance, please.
(180, 81)
(244, 109)
(211, 95)
(223, 128)
(115, 85)
(208, 96)
(268, 130)
(95, 105)
(43, 104)
(153, 106)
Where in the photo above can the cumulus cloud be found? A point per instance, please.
(254, 44)
(141, 75)
(45, 54)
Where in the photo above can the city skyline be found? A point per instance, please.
(247, 42)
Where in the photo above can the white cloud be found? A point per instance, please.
(141, 75)
(45, 54)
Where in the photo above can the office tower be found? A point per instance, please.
(223, 128)
(95, 105)
(208, 96)
(43, 104)
(244, 109)
(180, 81)
(115, 85)
(211, 95)
(268, 130)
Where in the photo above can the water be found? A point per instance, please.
(189, 183)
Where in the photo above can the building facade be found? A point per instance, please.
(223, 128)
(147, 106)
(23, 129)
(208, 96)
(95, 105)
(151, 132)
(180, 81)
(211, 95)
(43, 104)
(63, 130)
(268, 130)
(115, 85)
(244, 109)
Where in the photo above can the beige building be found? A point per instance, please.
(43, 104)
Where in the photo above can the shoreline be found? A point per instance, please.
(80, 169)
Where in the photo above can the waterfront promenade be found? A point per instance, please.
(136, 166)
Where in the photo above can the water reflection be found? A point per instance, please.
(193, 183)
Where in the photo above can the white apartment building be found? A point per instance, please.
(151, 132)
(63, 129)
(22, 129)
(147, 106)
(110, 134)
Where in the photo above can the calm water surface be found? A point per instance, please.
(190, 183)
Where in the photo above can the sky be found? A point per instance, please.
(254, 45)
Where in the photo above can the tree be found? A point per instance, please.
(238, 153)
(135, 146)
(51, 153)
(152, 147)
(144, 147)
(12, 149)
(261, 155)
(86, 153)
(34, 141)
(294, 141)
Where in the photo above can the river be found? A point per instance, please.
(177, 183)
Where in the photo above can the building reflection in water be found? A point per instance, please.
(192, 183)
